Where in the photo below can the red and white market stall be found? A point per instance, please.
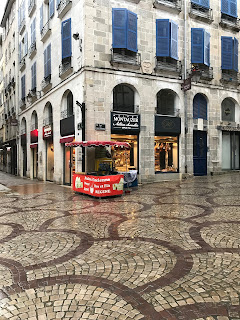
(103, 181)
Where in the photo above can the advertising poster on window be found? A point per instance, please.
(98, 186)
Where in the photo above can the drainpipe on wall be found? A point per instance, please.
(185, 77)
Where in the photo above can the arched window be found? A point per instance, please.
(48, 118)
(165, 102)
(199, 107)
(69, 104)
(34, 121)
(228, 110)
(123, 98)
(23, 126)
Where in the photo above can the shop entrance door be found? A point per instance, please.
(230, 151)
(199, 153)
(35, 162)
(50, 160)
(67, 166)
(24, 161)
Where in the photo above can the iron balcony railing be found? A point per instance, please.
(45, 30)
(22, 26)
(230, 76)
(64, 67)
(32, 48)
(31, 7)
(197, 11)
(230, 22)
(174, 4)
(175, 66)
(125, 57)
(22, 63)
(46, 81)
(66, 114)
(63, 5)
(22, 103)
(201, 72)
(48, 121)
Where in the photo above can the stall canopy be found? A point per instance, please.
(98, 144)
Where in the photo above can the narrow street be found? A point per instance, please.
(168, 250)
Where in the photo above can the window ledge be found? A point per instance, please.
(22, 64)
(201, 13)
(63, 7)
(46, 84)
(45, 32)
(65, 69)
(22, 26)
(175, 5)
(31, 7)
(124, 59)
(230, 23)
(162, 66)
(231, 77)
(32, 50)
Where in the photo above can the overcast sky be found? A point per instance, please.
(2, 7)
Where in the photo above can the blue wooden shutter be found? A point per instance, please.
(233, 8)
(207, 48)
(34, 30)
(23, 86)
(41, 18)
(163, 36)
(51, 8)
(32, 74)
(45, 63)
(174, 40)
(49, 59)
(235, 57)
(20, 51)
(131, 31)
(119, 28)
(23, 10)
(225, 6)
(66, 39)
(204, 3)
(197, 45)
(26, 44)
(227, 53)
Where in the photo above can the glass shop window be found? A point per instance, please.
(166, 154)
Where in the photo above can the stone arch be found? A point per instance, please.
(125, 98)
(48, 114)
(228, 109)
(67, 108)
(34, 120)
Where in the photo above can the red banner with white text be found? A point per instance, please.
(98, 186)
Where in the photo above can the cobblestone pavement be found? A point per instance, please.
(168, 250)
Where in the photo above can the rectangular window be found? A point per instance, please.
(23, 87)
(47, 61)
(33, 31)
(66, 39)
(200, 46)
(124, 29)
(34, 76)
(125, 160)
(166, 154)
(229, 53)
(166, 38)
(229, 7)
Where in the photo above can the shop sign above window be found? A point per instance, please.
(168, 125)
(47, 132)
(125, 122)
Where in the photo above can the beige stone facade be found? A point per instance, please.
(94, 72)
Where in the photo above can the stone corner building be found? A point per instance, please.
(127, 62)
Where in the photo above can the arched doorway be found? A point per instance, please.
(24, 146)
(48, 137)
(230, 139)
(34, 143)
(200, 136)
(67, 131)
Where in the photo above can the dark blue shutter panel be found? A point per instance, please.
(119, 28)
(207, 48)
(20, 51)
(163, 36)
(200, 107)
(233, 8)
(32, 74)
(51, 8)
(174, 40)
(227, 53)
(49, 59)
(23, 86)
(197, 45)
(66, 39)
(225, 6)
(204, 3)
(41, 18)
(45, 63)
(235, 57)
(131, 31)
(34, 30)
(26, 44)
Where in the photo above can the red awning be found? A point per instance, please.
(67, 139)
(98, 144)
(33, 145)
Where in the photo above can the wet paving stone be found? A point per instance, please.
(167, 251)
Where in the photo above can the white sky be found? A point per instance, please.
(2, 7)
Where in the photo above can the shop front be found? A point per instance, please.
(34, 148)
(230, 147)
(24, 154)
(166, 144)
(48, 137)
(125, 127)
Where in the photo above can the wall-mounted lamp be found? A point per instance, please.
(76, 36)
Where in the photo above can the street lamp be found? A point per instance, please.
(83, 127)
